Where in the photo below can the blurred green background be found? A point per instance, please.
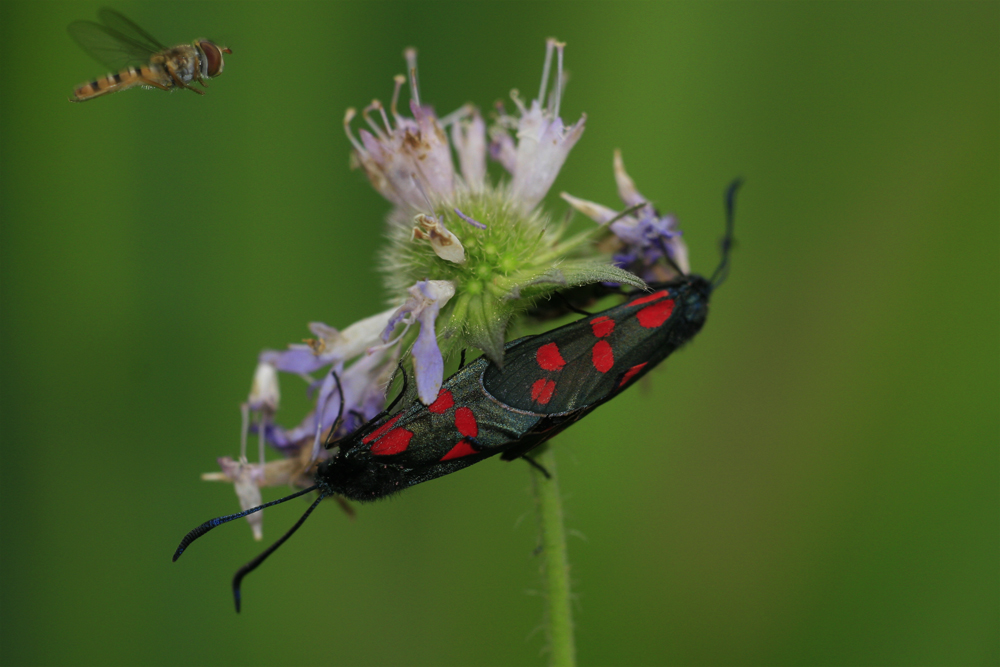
(814, 481)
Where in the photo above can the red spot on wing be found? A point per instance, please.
(393, 442)
(630, 373)
(465, 422)
(548, 357)
(655, 296)
(377, 433)
(442, 403)
(602, 326)
(542, 390)
(602, 356)
(653, 316)
(463, 448)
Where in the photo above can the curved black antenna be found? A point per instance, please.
(569, 305)
(627, 212)
(340, 414)
(399, 368)
(402, 392)
(218, 521)
(727, 240)
(252, 565)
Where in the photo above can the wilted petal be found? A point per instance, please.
(445, 244)
(357, 338)
(245, 478)
(264, 392)
(596, 212)
(626, 186)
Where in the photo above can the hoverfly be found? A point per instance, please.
(137, 59)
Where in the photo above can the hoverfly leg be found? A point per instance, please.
(154, 84)
(178, 81)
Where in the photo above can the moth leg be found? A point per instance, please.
(344, 505)
(536, 465)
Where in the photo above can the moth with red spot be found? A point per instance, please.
(547, 382)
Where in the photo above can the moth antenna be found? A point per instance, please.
(627, 212)
(569, 305)
(340, 418)
(252, 565)
(399, 396)
(397, 399)
(218, 521)
(727, 240)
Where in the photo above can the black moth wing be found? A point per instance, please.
(458, 429)
(582, 364)
(118, 43)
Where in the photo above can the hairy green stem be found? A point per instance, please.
(559, 614)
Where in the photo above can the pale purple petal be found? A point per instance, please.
(400, 315)
(428, 364)
(542, 148)
(472, 221)
(503, 150)
(298, 359)
(469, 137)
(431, 154)
(394, 171)
(425, 302)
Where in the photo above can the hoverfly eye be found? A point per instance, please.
(213, 58)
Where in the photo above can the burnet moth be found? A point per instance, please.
(547, 382)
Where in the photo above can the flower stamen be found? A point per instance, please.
(471, 221)
(411, 67)
(399, 80)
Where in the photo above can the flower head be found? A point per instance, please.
(466, 256)
(492, 242)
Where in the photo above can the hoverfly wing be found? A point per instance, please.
(109, 47)
(126, 27)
